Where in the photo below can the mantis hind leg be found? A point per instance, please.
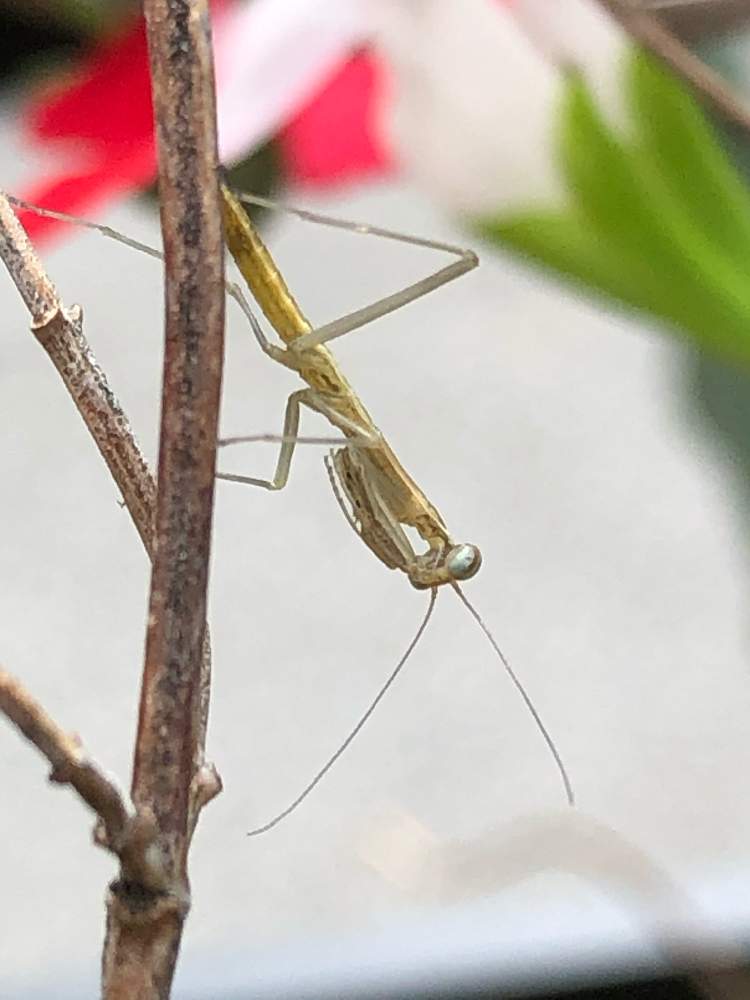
(289, 437)
(467, 260)
(388, 304)
(286, 451)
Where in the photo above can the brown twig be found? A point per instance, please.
(646, 28)
(183, 100)
(698, 19)
(142, 942)
(59, 331)
(128, 835)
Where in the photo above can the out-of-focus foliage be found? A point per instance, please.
(658, 219)
(75, 16)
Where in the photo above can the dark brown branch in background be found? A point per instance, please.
(698, 19)
(648, 30)
(140, 955)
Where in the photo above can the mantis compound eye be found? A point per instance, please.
(463, 561)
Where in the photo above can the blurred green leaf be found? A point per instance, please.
(657, 219)
(676, 133)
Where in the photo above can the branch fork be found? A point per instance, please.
(172, 782)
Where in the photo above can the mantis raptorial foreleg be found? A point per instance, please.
(367, 505)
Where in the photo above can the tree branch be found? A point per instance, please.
(127, 835)
(142, 944)
(168, 730)
(59, 330)
(143, 899)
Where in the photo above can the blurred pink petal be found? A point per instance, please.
(272, 56)
(334, 139)
(99, 119)
(463, 94)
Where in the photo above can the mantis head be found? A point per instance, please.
(447, 565)
(463, 561)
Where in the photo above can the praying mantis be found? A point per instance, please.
(377, 496)
(383, 497)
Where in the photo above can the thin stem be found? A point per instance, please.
(145, 908)
(183, 100)
(125, 834)
(646, 29)
(70, 765)
(59, 330)
(171, 726)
